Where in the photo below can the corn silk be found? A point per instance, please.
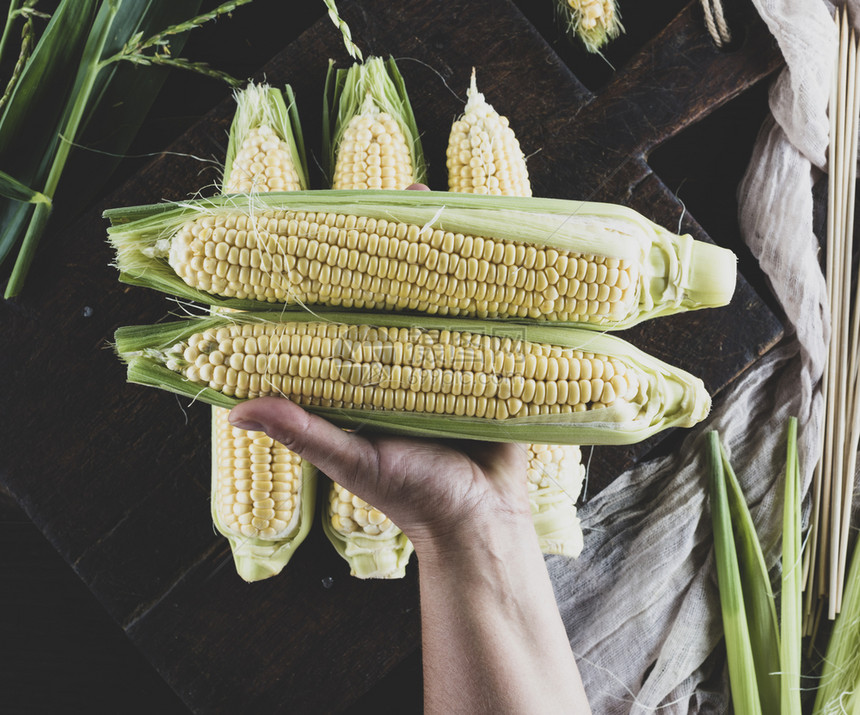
(641, 604)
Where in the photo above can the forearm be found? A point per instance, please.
(493, 639)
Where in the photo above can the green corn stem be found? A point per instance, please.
(739, 648)
(668, 396)
(257, 559)
(258, 105)
(791, 611)
(11, 14)
(347, 91)
(383, 556)
(13, 189)
(676, 272)
(40, 91)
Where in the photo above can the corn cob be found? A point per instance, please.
(262, 496)
(593, 22)
(266, 149)
(372, 545)
(420, 376)
(592, 265)
(372, 152)
(555, 475)
(484, 156)
(370, 139)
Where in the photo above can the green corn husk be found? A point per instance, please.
(669, 397)
(382, 556)
(346, 93)
(749, 613)
(255, 558)
(676, 273)
(258, 105)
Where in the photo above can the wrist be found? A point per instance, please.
(504, 534)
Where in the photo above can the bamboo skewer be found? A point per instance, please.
(833, 481)
(851, 377)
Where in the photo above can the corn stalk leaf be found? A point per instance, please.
(731, 577)
(91, 96)
(791, 612)
(115, 114)
(27, 144)
(11, 188)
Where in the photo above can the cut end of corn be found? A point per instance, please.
(484, 156)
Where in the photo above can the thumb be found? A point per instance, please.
(344, 456)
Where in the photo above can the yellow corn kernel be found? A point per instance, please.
(263, 163)
(361, 359)
(350, 514)
(373, 153)
(259, 483)
(293, 256)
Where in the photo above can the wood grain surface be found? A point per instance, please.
(117, 476)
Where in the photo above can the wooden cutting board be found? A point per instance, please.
(117, 476)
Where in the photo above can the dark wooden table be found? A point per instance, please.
(676, 121)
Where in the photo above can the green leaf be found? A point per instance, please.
(115, 113)
(757, 594)
(739, 650)
(30, 124)
(92, 88)
(13, 189)
(791, 612)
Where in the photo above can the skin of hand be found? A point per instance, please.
(492, 638)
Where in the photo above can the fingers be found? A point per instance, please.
(343, 456)
(418, 187)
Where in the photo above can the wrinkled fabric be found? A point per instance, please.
(641, 603)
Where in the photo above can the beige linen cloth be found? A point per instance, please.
(641, 604)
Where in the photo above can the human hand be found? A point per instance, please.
(435, 491)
